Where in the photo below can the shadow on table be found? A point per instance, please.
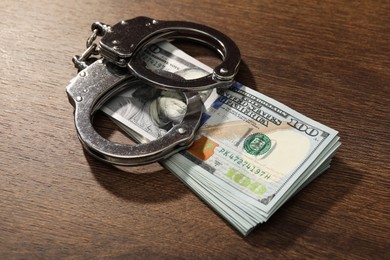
(245, 76)
(295, 217)
(145, 184)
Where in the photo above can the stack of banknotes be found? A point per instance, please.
(251, 153)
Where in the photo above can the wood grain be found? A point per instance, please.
(326, 59)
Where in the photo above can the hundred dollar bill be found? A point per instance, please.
(251, 153)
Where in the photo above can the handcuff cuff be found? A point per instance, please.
(120, 47)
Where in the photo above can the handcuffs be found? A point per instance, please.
(119, 48)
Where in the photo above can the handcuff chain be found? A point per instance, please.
(83, 61)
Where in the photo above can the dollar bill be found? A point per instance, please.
(251, 153)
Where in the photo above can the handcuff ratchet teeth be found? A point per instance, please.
(121, 66)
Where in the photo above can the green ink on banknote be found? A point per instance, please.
(257, 144)
(244, 181)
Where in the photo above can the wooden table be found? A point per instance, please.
(327, 59)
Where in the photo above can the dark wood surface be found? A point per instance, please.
(327, 59)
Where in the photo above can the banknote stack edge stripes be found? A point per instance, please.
(251, 153)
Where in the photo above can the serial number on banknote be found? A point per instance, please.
(244, 163)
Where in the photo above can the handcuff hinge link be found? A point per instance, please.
(100, 28)
(81, 62)
(92, 37)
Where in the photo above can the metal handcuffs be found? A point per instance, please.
(108, 75)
